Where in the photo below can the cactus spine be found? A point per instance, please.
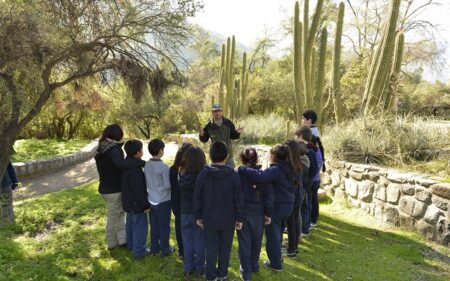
(336, 79)
(234, 99)
(381, 64)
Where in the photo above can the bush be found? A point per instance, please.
(388, 140)
(265, 129)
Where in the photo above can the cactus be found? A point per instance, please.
(391, 89)
(381, 64)
(298, 75)
(319, 100)
(336, 79)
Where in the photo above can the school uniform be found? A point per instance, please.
(259, 200)
(175, 204)
(305, 209)
(314, 210)
(281, 176)
(219, 202)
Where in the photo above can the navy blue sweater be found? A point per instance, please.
(174, 192)
(186, 187)
(313, 168)
(259, 197)
(281, 177)
(218, 197)
(134, 189)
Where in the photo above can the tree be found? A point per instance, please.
(47, 44)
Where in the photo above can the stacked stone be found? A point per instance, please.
(408, 200)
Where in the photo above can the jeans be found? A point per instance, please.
(305, 210)
(137, 231)
(250, 240)
(273, 233)
(314, 202)
(194, 244)
(178, 235)
(293, 226)
(218, 248)
(115, 220)
(160, 228)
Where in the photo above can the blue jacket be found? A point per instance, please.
(186, 185)
(134, 189)
(10, 177)
(280, 175)
(259, 197)
(174, 192)
(218, 197)
(313, 167)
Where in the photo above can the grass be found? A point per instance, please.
(60, 236)
(35, 149)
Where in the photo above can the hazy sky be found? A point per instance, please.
(249, 20)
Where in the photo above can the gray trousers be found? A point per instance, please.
(115, 220)
(6, 205)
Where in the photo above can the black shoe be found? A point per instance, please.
(291, 254)
(171, 251)
(269, 266)
(147, 253)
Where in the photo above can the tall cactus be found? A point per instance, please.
(394, 76)
(319, 96)
(381, 63)
(336, 79)
(298, 75)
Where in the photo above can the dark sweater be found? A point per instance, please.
(226, 132)
(313, 168)
(110, 161)
(134, 189)
(187, 184)
(174, 192)
(218, 197)
(280, 175)
(259, 197)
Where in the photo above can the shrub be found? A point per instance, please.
(265, 129)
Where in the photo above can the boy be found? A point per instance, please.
(218, 209)
(134, 200)
(309, 119)
(158, 187)
(304, 135)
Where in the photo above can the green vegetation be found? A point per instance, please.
(69, 236)
(270, 129)
(34, 149)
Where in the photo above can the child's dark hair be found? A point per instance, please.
(310, 114)
(132, 147)
(279, 152)
(179, 156)
(218, 151)
(249, 156)
(113, 132)
(304, 132)
(193, 160)
(294, 155)
(154, 146)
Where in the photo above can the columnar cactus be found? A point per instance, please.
(319, 96)
(381, 63)
(336, 79)
(394, 76)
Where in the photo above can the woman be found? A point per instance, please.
(110, 160)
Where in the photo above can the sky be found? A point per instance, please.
(249, 20)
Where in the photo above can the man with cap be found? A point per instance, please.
(220, 128)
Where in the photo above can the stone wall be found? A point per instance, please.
(24, 169)
(408, 200)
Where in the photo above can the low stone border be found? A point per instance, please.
(409, 200)
(25, 169)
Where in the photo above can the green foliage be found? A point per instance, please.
(34, 149)
(266, 129)
(66, 229)
(389, 140)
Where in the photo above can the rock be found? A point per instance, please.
(425, 229)
(408, 189)
(336, 179)
(441, 189)
(443, 231)
(432, 215)
(356, 176)
(348, 166)
(366, 191)
(380, 192)
(373, 176)
(398, 177)
(321, 194)
(340, 194)
(325, 180)
(406, 221)
(390, 215)
(426, 182)
(351, 187)
(393, 193)
(441, 203)
(412, 207)
(423, 195)
(378, 210)
(358, 168)
(384, 181)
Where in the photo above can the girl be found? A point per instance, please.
(193, 236)
(284, 177)
(175, 194)
(258, 211)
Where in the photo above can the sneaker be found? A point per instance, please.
(313, 224)
(269, 266)
(291, 254)
(305, 234)
(146, 253)
(171, 251)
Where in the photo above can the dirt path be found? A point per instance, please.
(73, 176)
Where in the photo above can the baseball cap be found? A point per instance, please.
(216, 106)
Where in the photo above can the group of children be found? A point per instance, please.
(210, 202)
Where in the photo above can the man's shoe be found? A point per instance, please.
(304, 235)
(269, 266)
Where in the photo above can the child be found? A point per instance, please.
(294, 221)
(175, 195)
(134, 200)
(304, 135)
(193, 236)
(158, 187)
(309, 119)
(218, 208)
(258, 211)
(284, 178)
